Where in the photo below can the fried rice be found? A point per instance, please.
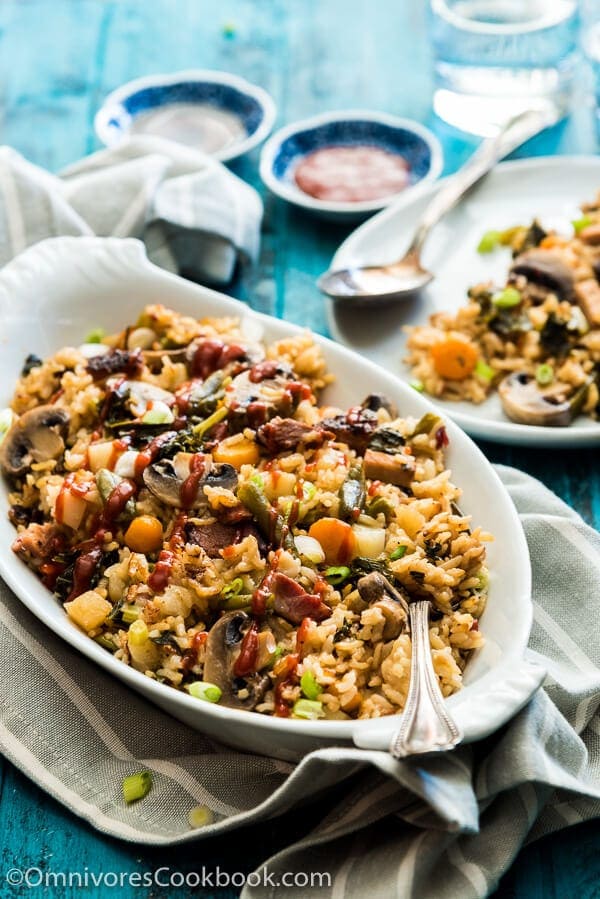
(200, 516)
(541, 328)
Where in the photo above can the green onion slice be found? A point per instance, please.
(507, 298)
(484, 371)
(136, 786)
(398, 553)
(544, 374)
(233, 588)
(309, 685)
(580, 224)
(489, 241)
(200, 816)
(95, 336)
(417, 385)
(337, 574)
(200, 689)
(308, 708)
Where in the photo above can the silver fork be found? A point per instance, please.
(426, 724)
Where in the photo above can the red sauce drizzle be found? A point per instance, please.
(211, 355)
(116, 502)
(189, 488)
(159, 578)
(69, 485)
(245, 663)
(83, 571)
(263, 370)
(146, 456)
(262, 594)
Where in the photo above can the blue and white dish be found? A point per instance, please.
(287, 147)
(178, 106)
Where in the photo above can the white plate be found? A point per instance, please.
(55, 292)
(514, 193)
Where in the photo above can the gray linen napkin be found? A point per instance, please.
(194, 215)
(443, 827)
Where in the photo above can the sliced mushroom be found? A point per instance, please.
(254, 399)
(222, 649)
(376, 590)
(154, 358)
(376, 401)
(179, 482)
(38, 435)
(524, 401)
(547, 268)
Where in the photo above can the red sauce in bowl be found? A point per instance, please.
(352, 174)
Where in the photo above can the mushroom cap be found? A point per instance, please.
(547, 268)
(166, 477)
(222, 648)
(524, 402)
(376, 401)
(38, 435)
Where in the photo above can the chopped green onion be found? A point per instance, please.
(95, 336)
(200, 689)
(417, 385)
(136, 786)
(212, 420)
(105, 643)
(484, 371)
(241, 601)
(337, 574)
(129, 614)
(200, 816)
(308, 708)
(158, 414)
(398, 553)
(7, 416)
(308, 490)
(137, 634)
(544, 374)
(229, 29)
(507, 298)
(489, 241)
(484, 579)
(309, 685)
(233, 588)
(580, 224)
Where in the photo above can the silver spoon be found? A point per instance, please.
(398, 280)
(426, 725)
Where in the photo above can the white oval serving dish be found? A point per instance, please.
(56, 291)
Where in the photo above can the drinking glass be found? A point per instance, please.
(496, 58)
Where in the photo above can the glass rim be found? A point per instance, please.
(544, 20)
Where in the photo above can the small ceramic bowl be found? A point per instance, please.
(241, 114)
(284, 151)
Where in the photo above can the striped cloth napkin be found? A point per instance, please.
(438, 828)
(195, 216)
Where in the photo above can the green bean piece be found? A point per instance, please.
(352, 494)
(271, 524)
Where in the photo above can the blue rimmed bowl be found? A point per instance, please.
(233, 98)
(284, 151)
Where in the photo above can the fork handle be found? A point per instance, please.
(426, 724)
(510, 136)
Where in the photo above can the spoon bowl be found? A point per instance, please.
(374, 282)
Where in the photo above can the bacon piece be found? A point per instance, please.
(293, 603)
(284, 434)
(128, 362)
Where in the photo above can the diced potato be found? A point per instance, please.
(89, 610)
(72, 508)
(279, 483)
(100, 455)
(370, 542)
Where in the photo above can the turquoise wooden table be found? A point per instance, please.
(57, 60)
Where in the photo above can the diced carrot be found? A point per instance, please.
(237, 452)
(144, 534)
(454, 358)
(337, 539)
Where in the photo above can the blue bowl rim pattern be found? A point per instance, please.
(288, 145)
(253, 105)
